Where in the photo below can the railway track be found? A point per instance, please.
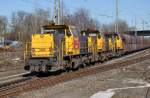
(9, 85)
(10, 82)
(37, 83)
(15, 68)
(14, 76)
(11, 61)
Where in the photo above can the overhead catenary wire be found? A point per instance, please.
(36, 4)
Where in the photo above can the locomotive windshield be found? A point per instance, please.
(54, 31)
(59, 29)
(73, 30)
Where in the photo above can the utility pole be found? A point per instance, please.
(116, 23)
(117, 15)
(135, 32)
(143, 22)
(135, 27)
(57, 11)
(62, 7)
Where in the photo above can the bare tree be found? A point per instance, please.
(81, 19)
(17, 24)
(24, 24)
(3, 24)
(122, 27)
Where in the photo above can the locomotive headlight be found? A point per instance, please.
(50, 49)
(33, 50)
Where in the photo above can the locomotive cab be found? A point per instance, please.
(114, 42)
(119, 43)
(96, 41)
(65, 39)
(100, 43)
(72, 43)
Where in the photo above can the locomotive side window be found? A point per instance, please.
(68, 33)
(99, 36)
(117, 37)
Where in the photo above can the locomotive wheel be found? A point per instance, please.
(67, 69)
(47, 68)
(27, 67)
(75, 65)
(107, 58)
(32, 69)
(88, 62)
(83, 65)
(40, 68)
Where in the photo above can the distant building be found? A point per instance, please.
(145, 33)
(1, 41)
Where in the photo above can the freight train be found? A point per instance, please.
(62, 47)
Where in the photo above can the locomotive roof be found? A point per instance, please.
(90, 31)
(110, 33)
(53, 26)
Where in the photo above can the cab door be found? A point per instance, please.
(90, 44)
(100, 43)
(110, 42)
(69, 43)
(119, 43)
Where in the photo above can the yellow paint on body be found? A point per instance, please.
(42, 45)
(69, 46)
(90, 44)
(110, 44)
(119, 43)
(69, 49)
(100, 44)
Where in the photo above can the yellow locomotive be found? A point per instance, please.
(53, 49)
(62, 47)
